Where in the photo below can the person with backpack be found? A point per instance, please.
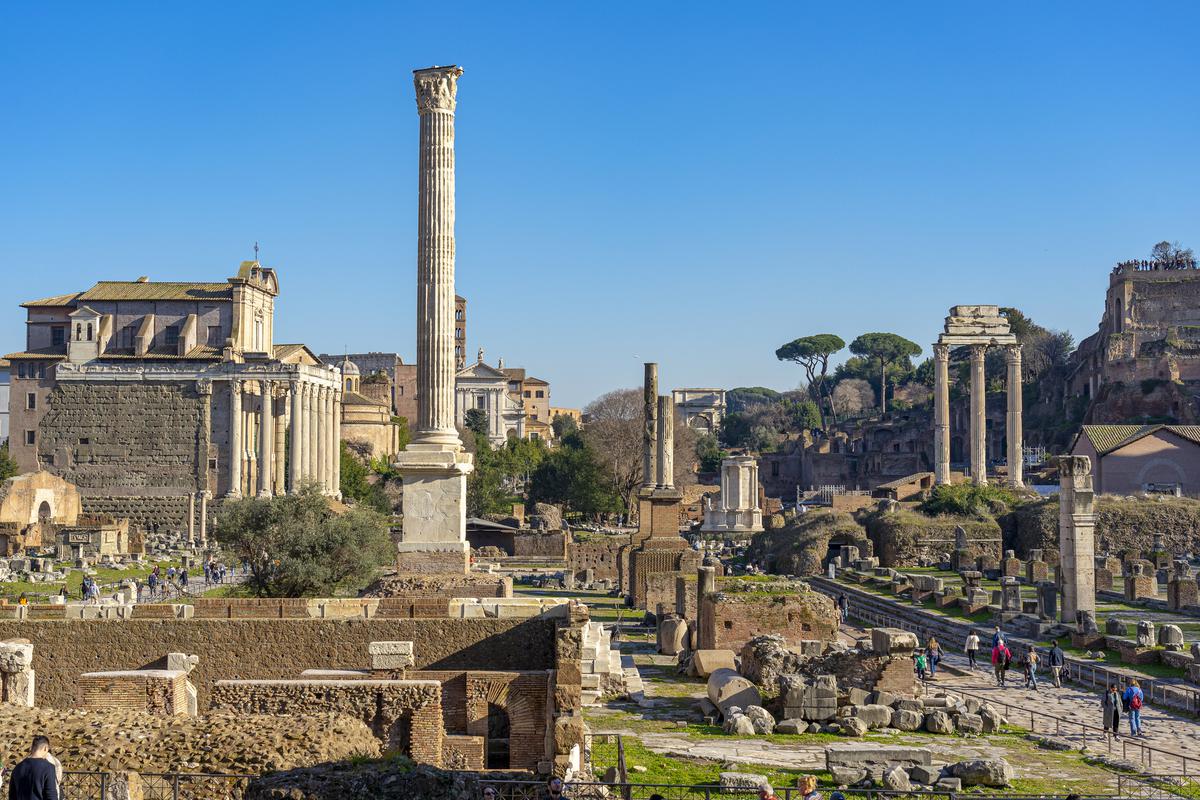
(1111, 705)
(1001, 659)
(1057, 660)
(1133, 701)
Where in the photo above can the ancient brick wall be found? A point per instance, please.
(660, 588)
(169, 512)
(149, 691)
(406, 716)
(463, 752)
(261, 649)
(731, 619)
(599, 555)
(139, 437)
(536, 544)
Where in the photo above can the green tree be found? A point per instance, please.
(563, 425)
(709, 452)
(297, 546)
(885, 349)
(812, 354)
(485, 483)
(571, 475)
(8, 467)
(405, 434)
(476, 420)
(355, 483)
(801, 414)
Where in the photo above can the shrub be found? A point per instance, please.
(968, 499)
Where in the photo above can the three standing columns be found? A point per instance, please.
(978, 411)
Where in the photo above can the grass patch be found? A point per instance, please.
(661, 769)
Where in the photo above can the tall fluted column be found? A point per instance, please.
(331, 445)
(235, 439)
(310, 432)
(1015, 434)
(280, 474)
(337, 442)
(978, 415)
(666, 444)
(296, 457)
(322, 439)
(204, 517)
(266, 441)
(941, 413)
(436, 90)
(650, 426)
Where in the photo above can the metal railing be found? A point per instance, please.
(1155, 787)
(154, 786)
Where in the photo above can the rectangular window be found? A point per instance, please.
(214, 336)
(400, 391)
(58, 335)
(30, 401)
(84, 441)
(41, 368)
(528, 393)
(31, 437)
(481, 402)
(171, 336)
(533, 437)
(21, 369)
(541, 393)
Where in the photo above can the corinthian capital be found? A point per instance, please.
(436, 88)
(941, 352)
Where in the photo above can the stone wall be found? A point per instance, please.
(154, 691)
(270, 649)
(1124, 524)
(599, 554)
(140, 437)
(168, 512)
(800, 547)
(406, 716)
(729, 619)
(540, 544)
(904, 538)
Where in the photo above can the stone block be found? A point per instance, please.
(892, 641)
(390, 655)
(726, 688)
(907, 720)
(969, 723)
(706, 662)
(876, 716)
(1171, 637)
(861, 755)
(923, 773)
(1115, 626)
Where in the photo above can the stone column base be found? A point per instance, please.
(434, 536)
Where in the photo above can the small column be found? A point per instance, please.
(978, 416)
(235, 439)
(191, 519)
(322, 440)
(296, 457)
(1015, 435)
(280, 441)
(941, 414)
(204, 518)
(266, 441)
(666, 444)
(650, 427)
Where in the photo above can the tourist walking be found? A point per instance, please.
(921, 664)
(935, 655)
(1111, 704)
(34, 778)
(1133, 700)
(972, 648)
(997, 637)
(808, 787)
(1057, 660)
(843, 603)
(1001, 658)
(1032, 659)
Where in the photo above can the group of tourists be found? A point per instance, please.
(1115, 702)
(927, 659)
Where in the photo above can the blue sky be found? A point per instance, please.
(691, 183)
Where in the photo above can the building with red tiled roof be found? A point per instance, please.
(1131, 459)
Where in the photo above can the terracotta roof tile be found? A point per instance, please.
(157, 290)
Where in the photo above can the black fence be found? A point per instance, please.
(154, 786)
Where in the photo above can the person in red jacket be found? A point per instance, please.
(1001, 658)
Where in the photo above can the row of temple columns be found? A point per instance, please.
(978, 434)
(283, 434)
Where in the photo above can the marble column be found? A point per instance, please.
(204, 518)
(310, 433)
(941, 413)
(436, 100)
(322, 439)
(296, 460)
(1076, 537)
(331, 445)
(337, 443)
(1015, 434)
(665, 478)
(235, 439)
(266, 440)
(280, 404)
(978, 416)
(650, 426)
(191, 519)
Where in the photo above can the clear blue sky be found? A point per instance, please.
(691, 183)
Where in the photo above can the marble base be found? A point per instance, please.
(434, 533)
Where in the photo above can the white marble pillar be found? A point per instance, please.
(235, 439)
(192, 518)
(337, 443)
(281, 407)
(322, 439)
(665, 468)
(978, 415)
(1014, 433)
(650, 424)
(266, 441)
(1076, 537)
(296, 461)
(250, 421)
(204, 518)
(436, 93)
(941, 414)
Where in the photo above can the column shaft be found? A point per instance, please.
(650, 426)
(941, 413)
(204, 518)
(978, 416)
(310, 432)
(296, 457)
(1015, 435)
(191, 518)
(266, 441)
(322, 439)
(281, 443)
(337, 443)
(666, 444)
(235, 439)
(435, 262)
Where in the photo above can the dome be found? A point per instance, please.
(349, 367)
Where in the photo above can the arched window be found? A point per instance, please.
(499, 730)
(78, 332)
(89, 331)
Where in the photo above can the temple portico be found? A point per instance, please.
(977, 328)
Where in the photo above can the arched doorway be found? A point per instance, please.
(399, 738)
(45, 514)
(499, 730)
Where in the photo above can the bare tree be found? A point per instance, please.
(853, 396)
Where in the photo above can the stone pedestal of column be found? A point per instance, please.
(434, 538)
